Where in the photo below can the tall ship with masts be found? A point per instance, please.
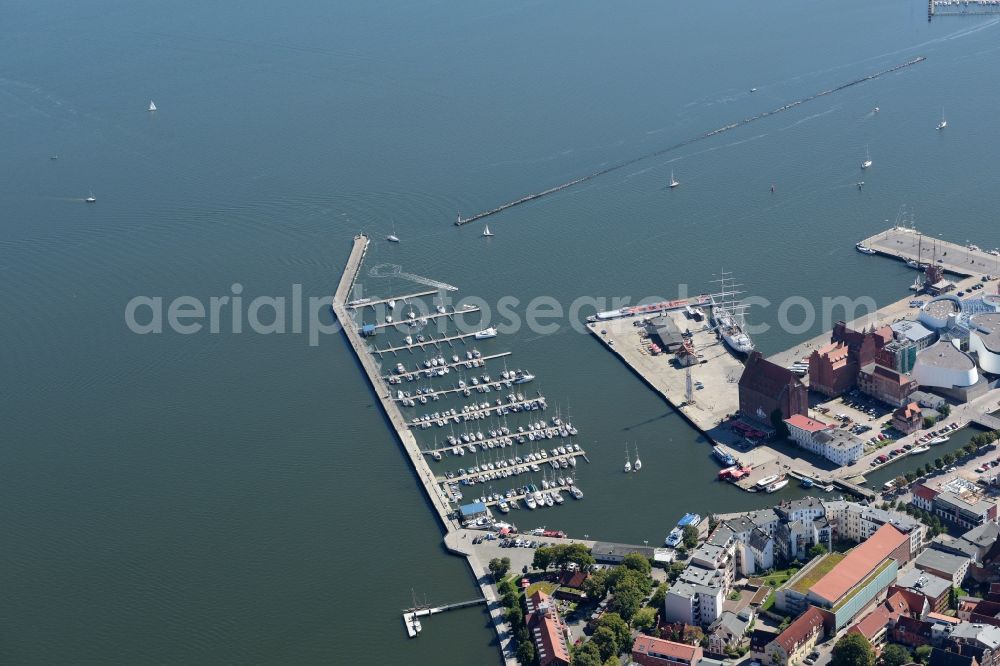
(728, 315)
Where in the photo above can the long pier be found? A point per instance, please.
(701, 137)
(907, 244)
(485, 442)
(435, 493)
(436, 342)
(478, 412)
(436, 315)
(368, 302)
(467, 363)
(391, 409)
(527, 465)
(500, 385)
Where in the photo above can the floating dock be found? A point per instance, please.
(427, 317)
(429, 342)
(411, 615)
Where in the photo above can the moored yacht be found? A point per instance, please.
(486, 333)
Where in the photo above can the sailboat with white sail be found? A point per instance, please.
(867, 162)
(152, 107)
(673, 181)
(638, 463)
(944, 123)
(486, 232)
(628, 463)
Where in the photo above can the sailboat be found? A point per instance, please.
(868, 159)
(91, 198)
(673, 181)
(638, 463)
(628, 463)
(393, 238)
(152, 107)
(944, 123)
(486, 232)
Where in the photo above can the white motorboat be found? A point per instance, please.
(777, 485)
(530, 501)
(864, 249)
(486, 333)
(938, 440)
(767, 480)
(919, 449)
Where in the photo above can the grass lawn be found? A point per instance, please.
(544, 585)
(778, 578)
(823, 567)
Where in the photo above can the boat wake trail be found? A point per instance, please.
(707, 135)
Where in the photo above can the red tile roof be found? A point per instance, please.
(653, 647)
(547, 629)
(888, 611)
(859, 563)
(806, 423)
(799, 631)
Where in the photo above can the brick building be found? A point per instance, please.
(886, 384)
(766, 387)
(908, 418)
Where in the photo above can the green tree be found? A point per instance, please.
(506, 587)
(938, 463)
(945, 410)
(637, 562)
(618, 626)
(953, 596)
(515, 616)
(587, 655)
(928, 469)
(948, 458)
(499, 567)
(596, 585)
(690, 536)
(928, 422)
(817, 550)
(627, 600)
(922, 653)
(682, 552)
(853, 650)
(644, 619)
(613, 660)
(896, 655)
(910, 477)
(605, 641)
(543, 558)
(525, 652)
(900, 482)
(659, 597)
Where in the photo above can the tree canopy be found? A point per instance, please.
(896, 655)
(637, 562)
(499, 566)
(690, 534)
(817, 550)
(853, 650)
